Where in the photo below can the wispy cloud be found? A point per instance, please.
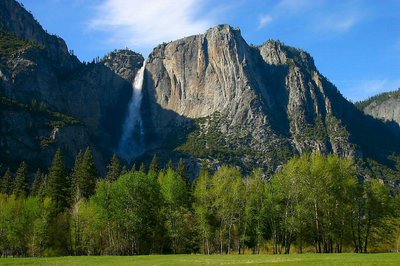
(264, 20)
(146, 23)
(319, 16)
(337, 23)
(358, 90)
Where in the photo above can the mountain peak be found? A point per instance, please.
(15, 19)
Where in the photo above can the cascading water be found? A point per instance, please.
(131, 143)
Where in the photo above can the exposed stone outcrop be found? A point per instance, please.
(385, 106)
(209, 96)
(266, 99)
(42, 80)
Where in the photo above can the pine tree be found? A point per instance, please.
(58, 183)
(133, 168)
(169, 164)
(37, 182)
(114, 169)
(75, 175)
(142, 168)
(6, 186)
(182, 169)
(88, 175)
(21, 185)
(124, 170)
(154, 166)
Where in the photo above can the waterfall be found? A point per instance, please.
(131, 143)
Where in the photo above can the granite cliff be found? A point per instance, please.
(209, 97)
(250, 105)
(385, 106)
(50, 99)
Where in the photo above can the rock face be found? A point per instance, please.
(210, 97)
(49, 99)
(251, 105)
(385, 106)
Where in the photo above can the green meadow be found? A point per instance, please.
(294, 259)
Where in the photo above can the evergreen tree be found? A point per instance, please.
(75, 176)
(154, 168)
(21, 185)
(114, 169)
(169, 164)
(6, 186)
(133, 168)
(142, 168)
(88, 175)
(37, 182)
(181, 169)
(124, 170)
(58, 183)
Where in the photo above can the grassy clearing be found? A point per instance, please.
(299, 259)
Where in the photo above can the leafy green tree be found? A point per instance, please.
(254, 220)
(126, 215)
(114, 169)
(105, 223)
(228, 203)
(203, 209)
(58, 183)
(83, 231)
(21, 185)
(75, 177)
(39, 241)
(7, 183)
(175, 209)
(376, 208)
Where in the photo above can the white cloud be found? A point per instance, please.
(357, 90)
(146, 23)
(338, 23)
(264, 21)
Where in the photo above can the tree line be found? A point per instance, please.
(315, 203)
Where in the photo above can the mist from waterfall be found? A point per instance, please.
(131, 143)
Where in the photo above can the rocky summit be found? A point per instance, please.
(206, 98)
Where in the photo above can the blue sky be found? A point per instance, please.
(355, 43)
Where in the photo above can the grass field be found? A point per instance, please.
(300, 259)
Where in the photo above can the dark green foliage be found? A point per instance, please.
(114, 169)
(181, 169)
(38, 182)
(84, 176)
(75, 176)
(7, 183)
(90, 174)
(154, 165)
(142, 168)
(9, 44)
(58, 183)
(21, 185)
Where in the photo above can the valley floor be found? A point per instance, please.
(295, 259)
